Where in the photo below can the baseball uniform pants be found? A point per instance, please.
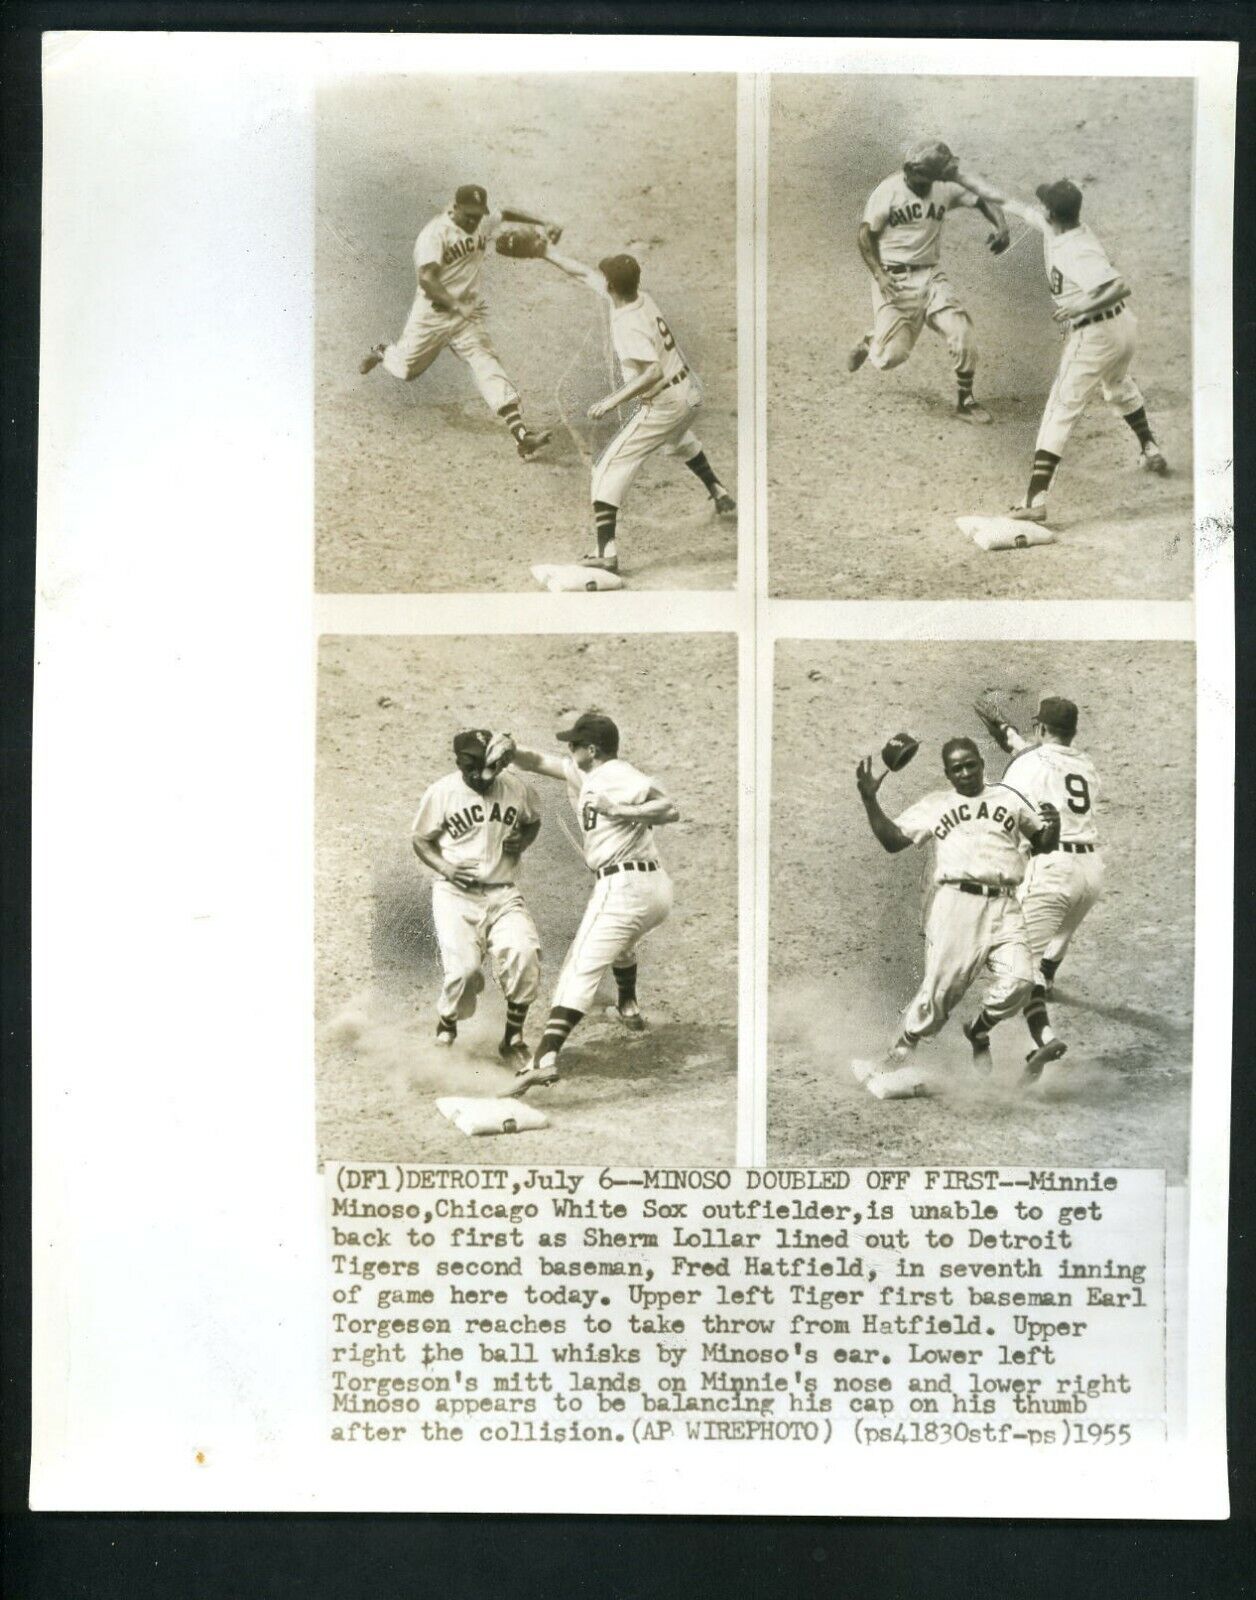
(660, 424)
(622, 909)
(1059, 890)
(427, 332)
(921, 295)
(1097, 356)
(474, 923)
(966, 935)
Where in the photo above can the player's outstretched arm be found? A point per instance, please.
(571, 268)
(536, 761)
(889, 835)
(657, 809)
(1034, 215)
(997, 726)
(553, 230)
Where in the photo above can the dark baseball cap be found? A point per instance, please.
(591, 728)
(1062, 198)
(1058, 714)
(474, 742)
(471, 197)
(622, 272)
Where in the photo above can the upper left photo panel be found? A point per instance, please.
(526, 342)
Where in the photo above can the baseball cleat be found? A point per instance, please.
(1035, 513)
(858, 355)
(725, 505)
(371, 359)
(602, 563)
(970, 411)
(1037, 1059)
(980, 1042)
(446, 1031)
(514, 1050)
(530, 444)
(1152, 460)
(535, 1075)
(630, 1016)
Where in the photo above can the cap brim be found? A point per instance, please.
(566, 738)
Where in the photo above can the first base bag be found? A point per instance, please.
(1004, 533)
(482, 1116)
(561, 579)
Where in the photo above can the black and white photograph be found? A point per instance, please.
(979, 338)
(526, 361)
(981, 923)
(527, 898)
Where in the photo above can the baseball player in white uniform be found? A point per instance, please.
(448, 310)
(618, 809)
(1059, 889)
(975, 921)
(471, 829)
(900, 240)
(1091, 302)
(655, 372)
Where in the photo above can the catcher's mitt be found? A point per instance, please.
(899, 750)
(524, 244)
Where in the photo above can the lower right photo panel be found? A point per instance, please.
(982, 904)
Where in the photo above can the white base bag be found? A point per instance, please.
(1004, 533)
(888, 1083)
(475, 1117)
(562, 579)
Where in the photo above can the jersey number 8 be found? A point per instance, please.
(1078, 793)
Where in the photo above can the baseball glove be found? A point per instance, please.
(500, 748)
(524, 244)
(899, 750)
(997, 725)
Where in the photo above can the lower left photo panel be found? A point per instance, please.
(526, 911)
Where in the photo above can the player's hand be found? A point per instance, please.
(609, 808)
(599, 409)
(512, 843)
(866, 781)
(999, 241)
(553, 232)
(888, 288)
(1048, 812)
(1060, 315)
(461, 878)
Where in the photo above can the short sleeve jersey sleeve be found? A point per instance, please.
(919, 820)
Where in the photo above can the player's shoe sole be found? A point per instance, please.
(530, 444)
(1041, 1057)
(446, 1033)
(515, 1052)
(1152, 460)
(857, 355)
(602, 563)
(1035, 513)
(983, 1061)
(632, 1020)
(371, 359)
(972, 412)
(534, 1076)
(725, 505)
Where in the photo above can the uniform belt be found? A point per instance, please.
(627, 866)
(679, 378)
(904, 266)
(990, 891)
(1077, 849)
(478, 885)
(1100, 316)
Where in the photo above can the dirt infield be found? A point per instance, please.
(867, 472)
(846, 950)
(417, 486)
(388, 709)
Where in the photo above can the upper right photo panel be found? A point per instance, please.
(979, 338)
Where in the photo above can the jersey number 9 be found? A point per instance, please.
(588, 818)
(1078, 793)
(668, 342)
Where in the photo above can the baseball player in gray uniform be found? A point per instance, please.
(900, 240)
(1061, 888)
(618, 809)
(448, 310)
(471, 830)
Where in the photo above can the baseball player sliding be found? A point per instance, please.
(1090, 298)
(656, 373)
(975, 921)
(900, 240)
(618, 810)
(1060, 888)
(471, 830)
(449, 312)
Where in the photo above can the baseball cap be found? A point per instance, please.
(1062, 198)
(622, 272)
(591, 728)
(471, 196)
(1057, 713)
(474, 742)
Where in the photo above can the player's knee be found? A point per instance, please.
(891, 355)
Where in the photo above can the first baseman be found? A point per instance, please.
(975, 920)
(472, 828)
(448, 310)
(1060, 888)
(655, 372)
(618, 809)
(900, 240)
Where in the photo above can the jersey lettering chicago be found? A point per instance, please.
(909, 226)
(1064, 777)
(1077, 265)
(641, 336)
(610, 839)
(976, 837)
(458, 254)
(468, 828)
